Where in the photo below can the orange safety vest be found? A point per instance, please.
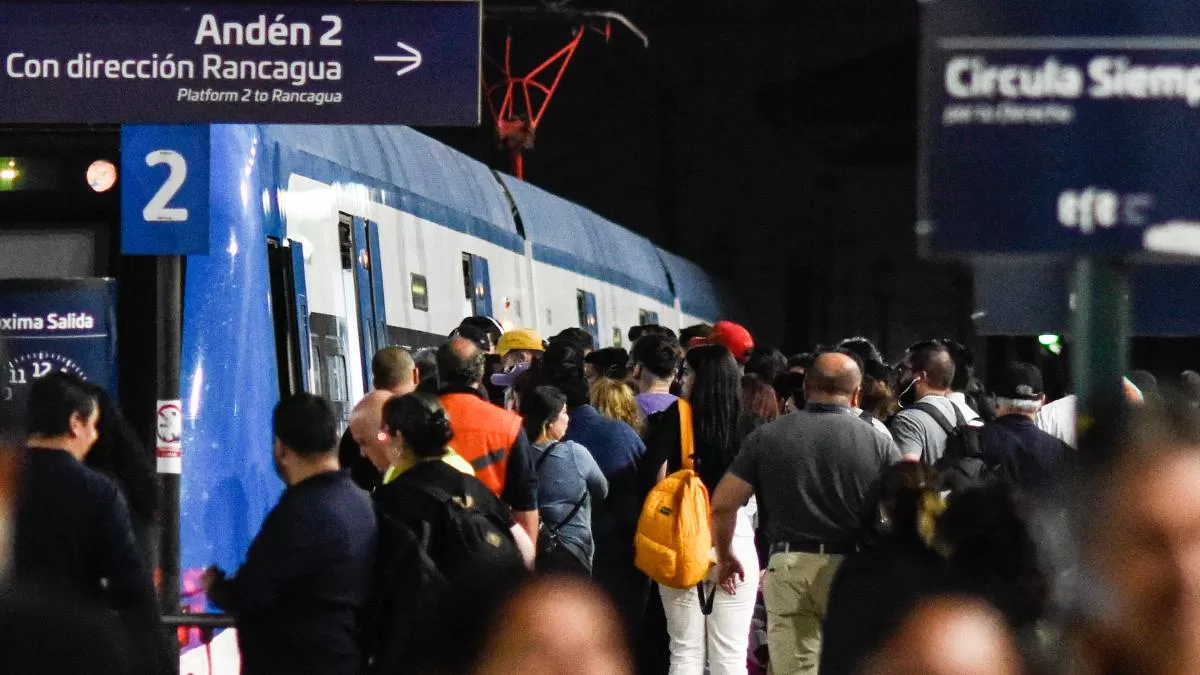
(483, 435)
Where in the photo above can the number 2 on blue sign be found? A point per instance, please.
(157, 210)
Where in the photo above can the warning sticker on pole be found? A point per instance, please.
(168, 433)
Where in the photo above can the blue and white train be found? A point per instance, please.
(330, 242)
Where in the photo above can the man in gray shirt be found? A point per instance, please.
(815, 473)
(927, 370)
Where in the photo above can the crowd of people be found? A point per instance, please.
(486, 510)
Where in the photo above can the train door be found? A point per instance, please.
(586, 303)
(289, 312)
(477, 285)
(368, 289)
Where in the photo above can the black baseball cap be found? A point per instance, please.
(1020, 381)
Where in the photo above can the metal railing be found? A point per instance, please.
(202, 621)
(207, 624)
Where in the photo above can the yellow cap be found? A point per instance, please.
(520, 338)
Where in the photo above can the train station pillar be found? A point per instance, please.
(1100, 331)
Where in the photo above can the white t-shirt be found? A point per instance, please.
(960, 400)
(1058, 419)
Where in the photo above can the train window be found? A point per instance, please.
(289, 361)
(617, 337)
(346, 240)
(468, 277)
(329, 360)
(586, 303)
(420, 292)
(339, 380)
(477, 287)
(647, 318)
(319, 385)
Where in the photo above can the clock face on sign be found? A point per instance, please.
(20, 372)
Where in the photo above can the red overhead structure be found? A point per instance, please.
(517, 117)
(518, 102)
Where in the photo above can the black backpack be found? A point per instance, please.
(468, 541)
(421, 570)
(964, 464)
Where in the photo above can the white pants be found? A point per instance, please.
(725, 632)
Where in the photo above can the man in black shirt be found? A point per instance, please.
(74, 536)
(299, 595)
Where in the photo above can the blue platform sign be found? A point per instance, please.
(56, 325)
(164, 189)
(399, 62)
(1060, 127)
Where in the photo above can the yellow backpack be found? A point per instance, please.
(674, 534)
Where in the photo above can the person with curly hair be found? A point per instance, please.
(615, 399)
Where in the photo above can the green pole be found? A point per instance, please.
(1099, 331)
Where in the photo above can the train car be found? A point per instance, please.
(326, 243)
(698, 296)
(588, 271)
(330, 242)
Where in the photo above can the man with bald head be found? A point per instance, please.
(489, 437)
(393, 373)
(815, 473)
(366, 428)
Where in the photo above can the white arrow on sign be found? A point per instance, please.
(412, 58)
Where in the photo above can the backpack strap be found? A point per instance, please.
(578, 505)
(959, 419)
(441, 495)
(574, 510)
(929, 409)
(545, 453)
(687, 441)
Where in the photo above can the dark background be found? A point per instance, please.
(773, 143)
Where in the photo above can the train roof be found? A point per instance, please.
(699, 294)
(424, 177)
(567, 235)
(429, 179)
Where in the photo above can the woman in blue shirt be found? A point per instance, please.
(568, 481)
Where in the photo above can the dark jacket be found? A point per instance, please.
(412, 601)
(120, 454)
(299, 597)
(1024, 455)
(73, 531)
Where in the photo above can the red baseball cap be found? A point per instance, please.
(731, 336)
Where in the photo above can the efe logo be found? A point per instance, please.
(1094, 207)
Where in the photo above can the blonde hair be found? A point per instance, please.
(615, 399)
